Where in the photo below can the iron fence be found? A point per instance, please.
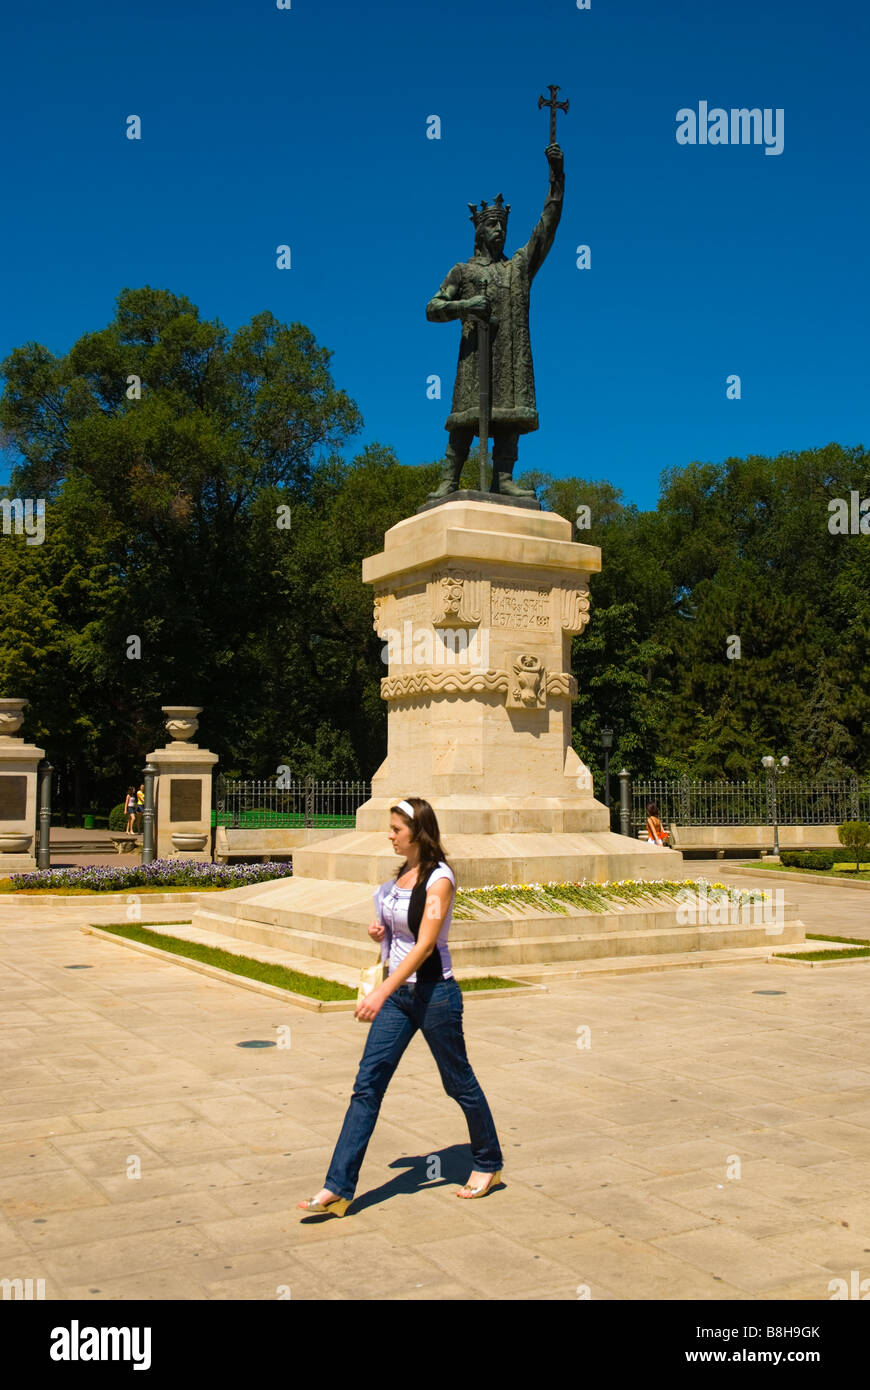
(799, 801)
(297, 803)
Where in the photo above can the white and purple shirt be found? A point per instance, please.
(391, 907)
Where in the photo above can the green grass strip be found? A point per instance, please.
(486, 982)
(849, 940)
(312, 986)
(824, 955)
(838, 871)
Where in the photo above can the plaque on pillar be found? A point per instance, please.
(185, 799)
(13, 796)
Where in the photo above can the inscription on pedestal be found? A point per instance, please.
(521, 605)
(185, 799)
(13, 797)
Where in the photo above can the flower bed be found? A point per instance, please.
(594, 897)
(160, 873)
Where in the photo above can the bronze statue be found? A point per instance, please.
(495, 383)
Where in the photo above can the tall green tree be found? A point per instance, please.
(157, 436)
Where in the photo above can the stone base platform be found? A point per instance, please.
(328, 921)
(479, 860)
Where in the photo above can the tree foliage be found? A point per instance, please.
(203, 542)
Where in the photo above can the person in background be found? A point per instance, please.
(130, 809)
(140, 807)
(655, 831)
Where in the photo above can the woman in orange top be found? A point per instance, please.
(655, 831)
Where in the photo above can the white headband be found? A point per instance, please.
(406, 807)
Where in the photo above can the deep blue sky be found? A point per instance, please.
(308, 127)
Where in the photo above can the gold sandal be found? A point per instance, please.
(337, 1207)
(494, 1178)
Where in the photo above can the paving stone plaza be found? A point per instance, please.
(711, 1142)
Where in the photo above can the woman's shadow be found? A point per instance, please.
(445, 1168)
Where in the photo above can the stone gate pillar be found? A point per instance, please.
(18, 788)
(182, 788)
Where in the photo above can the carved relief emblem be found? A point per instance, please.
(527, 685)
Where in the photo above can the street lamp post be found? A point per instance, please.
(148, 851)
(773, 771)
(43, 856)
(624, 802)
(607, 744)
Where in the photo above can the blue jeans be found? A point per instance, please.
(436, 1008)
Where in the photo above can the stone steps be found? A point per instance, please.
(710, 951)
(535, 856)
(513, 941)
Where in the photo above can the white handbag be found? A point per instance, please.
(370, 978)
(373, 975)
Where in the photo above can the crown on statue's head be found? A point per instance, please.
(499, 207)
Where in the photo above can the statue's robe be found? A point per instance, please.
(507, 284)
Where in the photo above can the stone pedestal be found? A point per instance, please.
(19, 762)
(477, 604)
(182, 789)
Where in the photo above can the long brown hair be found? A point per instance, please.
(425, 833)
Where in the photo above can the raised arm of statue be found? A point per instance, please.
(541, 240)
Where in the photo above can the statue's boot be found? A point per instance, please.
(502, 482)
(450, 473)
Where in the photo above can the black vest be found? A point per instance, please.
(430, 970)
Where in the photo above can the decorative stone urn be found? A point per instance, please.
(188, 843)
(11, 843)
(181, 722)
(11, 717)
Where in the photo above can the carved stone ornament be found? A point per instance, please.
(379, 620)
(456, 599)
(561, 683)
(528, 683)
(573, 605)
(437, 681)
(469, 680)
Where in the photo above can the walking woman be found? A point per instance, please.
(413, 918)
